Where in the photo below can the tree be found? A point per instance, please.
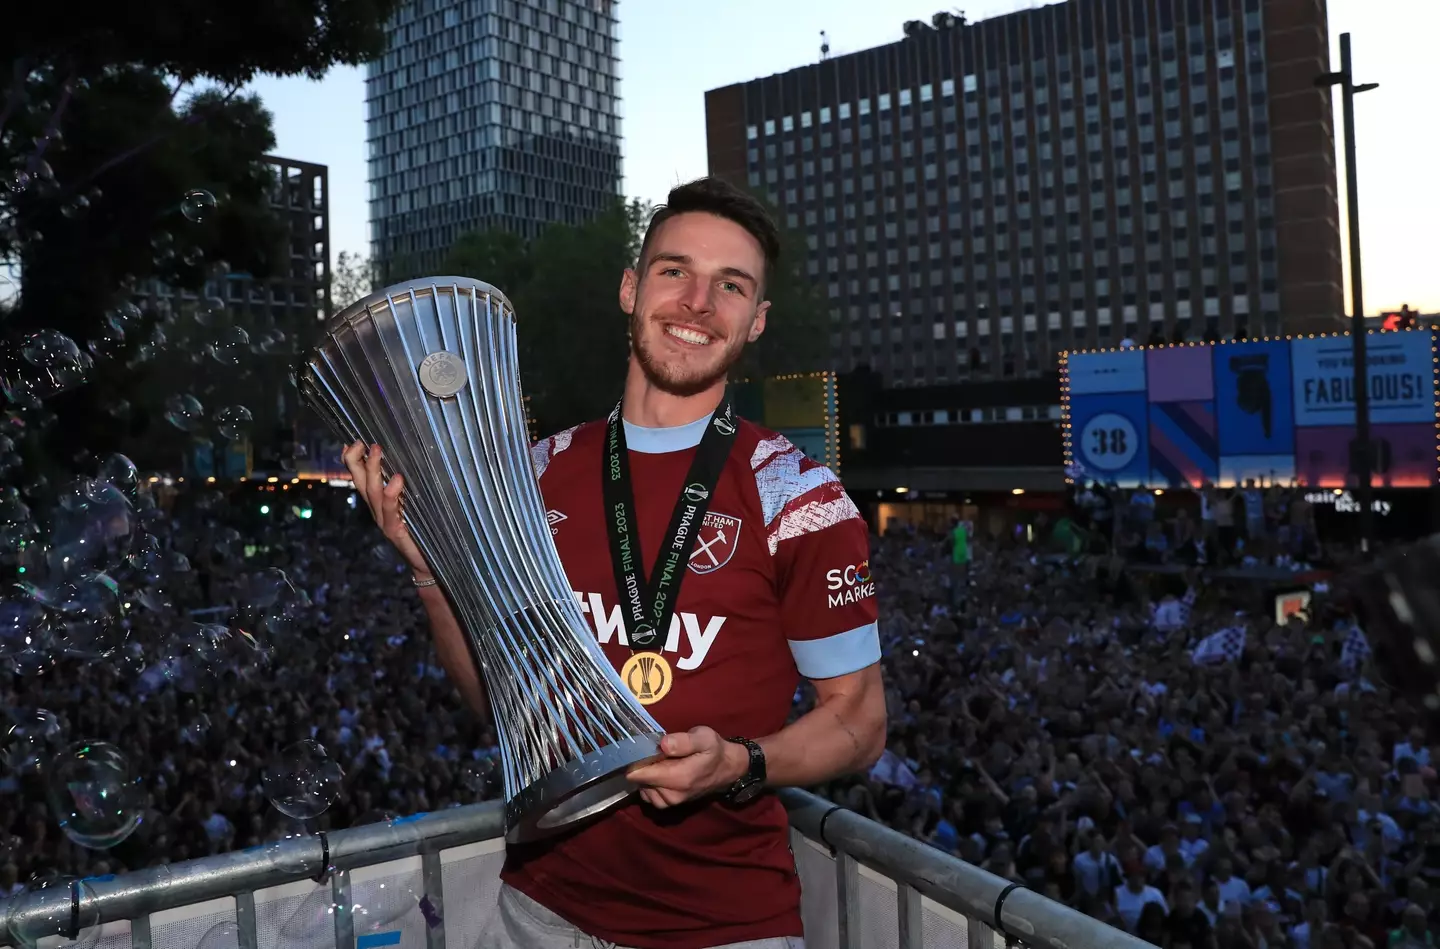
(106, 122)
(354, 278)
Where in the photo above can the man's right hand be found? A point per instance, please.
(384, 501)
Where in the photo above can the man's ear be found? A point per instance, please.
(629, 288)
(757, 326)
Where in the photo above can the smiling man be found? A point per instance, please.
(718, 565)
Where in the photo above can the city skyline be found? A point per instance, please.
(664, 82)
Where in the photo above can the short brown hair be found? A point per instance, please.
(716, 196)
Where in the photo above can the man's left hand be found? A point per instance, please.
(694, 764)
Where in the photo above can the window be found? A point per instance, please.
(947, 88)
(927, 93)
(751, 132)
(825, 116)
(769, 126)
(805, 120)
(788, 123)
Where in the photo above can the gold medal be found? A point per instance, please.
(648, 677)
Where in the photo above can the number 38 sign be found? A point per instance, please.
(1108, 442)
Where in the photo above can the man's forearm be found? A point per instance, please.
(839, 737)
(454, 651)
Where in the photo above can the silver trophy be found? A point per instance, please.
(428, 370)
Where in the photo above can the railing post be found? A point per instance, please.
(432, 879)
(140, 933)
(344, 918)
(909, 911)
(847, 899)
(245, 920)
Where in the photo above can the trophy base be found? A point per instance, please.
(579, 790)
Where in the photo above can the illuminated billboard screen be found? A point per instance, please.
(1277, 411)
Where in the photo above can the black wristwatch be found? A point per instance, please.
(752, 782)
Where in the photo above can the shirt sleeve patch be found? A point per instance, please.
(814, 512)
(547, 448)
(838, 654)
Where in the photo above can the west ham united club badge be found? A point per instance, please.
(715, 542)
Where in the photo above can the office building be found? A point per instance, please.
(490, 114)
(979, 197)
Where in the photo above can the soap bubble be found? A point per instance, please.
(58, 364)
(303, 780)
(87, 616)
(312, 925)
(211, 313)
(55, 907)
(184, 412)
(197, 205)
(230, 343)
(93, 527)
(224, 935)
(233, 422)
(122, 316)
(31, 740)
(120, 472)
(94, 794)
(107, 342)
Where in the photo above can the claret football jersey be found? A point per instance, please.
(778, 586)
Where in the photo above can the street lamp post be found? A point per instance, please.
(1363, 458)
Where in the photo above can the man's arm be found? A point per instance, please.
(844, 733)
(453, 650)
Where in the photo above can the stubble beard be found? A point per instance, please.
(678, 380)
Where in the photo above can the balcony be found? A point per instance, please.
(429, 881)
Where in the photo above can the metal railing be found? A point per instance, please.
(864, 886)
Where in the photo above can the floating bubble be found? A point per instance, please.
(106, 343)
(233, 422)
(312, 925)
(93, 527)
(19, 181)
(58, 364)
(224, 935)
(59, 907)
(269, 341)
(303, 780)
(49, 348)
(184, 412)
(120, 409)
(120, 472)
(270, 606)
(94, 794)
(193, 257)
(211, 313)
(229, 345)
(122, 316)
(86, 616)
(197, 205)
(32, 740)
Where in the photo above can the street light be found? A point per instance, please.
(1362, 458)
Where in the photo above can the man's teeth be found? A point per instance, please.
(688, 335)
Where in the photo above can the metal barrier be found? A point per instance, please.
(429, 881)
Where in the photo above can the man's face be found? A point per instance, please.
(695, 302)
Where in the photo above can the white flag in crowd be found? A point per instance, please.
(1224, 646)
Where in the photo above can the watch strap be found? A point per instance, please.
(755, 774)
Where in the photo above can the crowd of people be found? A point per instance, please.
(1043, 724)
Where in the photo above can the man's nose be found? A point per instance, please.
(699, 298)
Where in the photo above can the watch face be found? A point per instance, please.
(748, 793)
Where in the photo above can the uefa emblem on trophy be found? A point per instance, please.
(428, 369)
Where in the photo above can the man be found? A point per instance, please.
(778, 585)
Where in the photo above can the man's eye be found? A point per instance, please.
(670, 270)
(731, 286)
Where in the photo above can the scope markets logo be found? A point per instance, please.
(849, 584)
